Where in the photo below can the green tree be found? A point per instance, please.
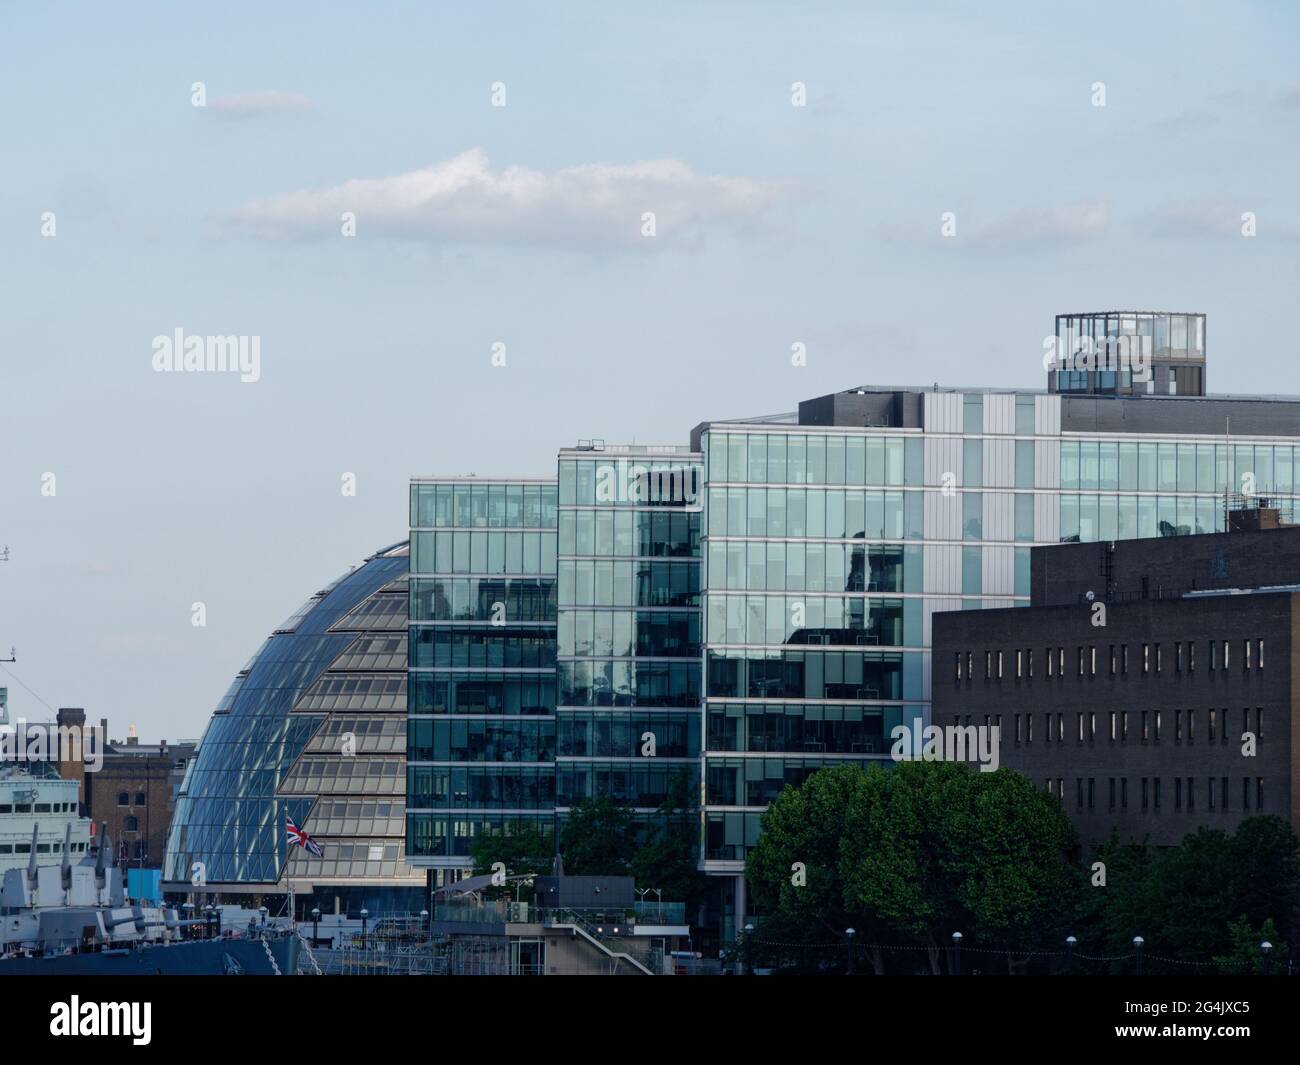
(1246, 958)
(599, 839)
(520, 847)
(668, 856)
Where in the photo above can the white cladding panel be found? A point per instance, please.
(1047, 464)
(943, 412)
(1047, 415)
(942, 455)
(942, 569)
(941, 515)
(999, 570)
(1047, 518)
(999, 516)
(1000, 414)
(999, 463)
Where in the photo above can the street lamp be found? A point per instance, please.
(188, 907)
(364, 915)
(1267, 948)
(1138, 943)
(849, 933)
(315, 926)
(1070, 944)
(956, 953)
(424, 920)
(749, 950)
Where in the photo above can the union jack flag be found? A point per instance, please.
(298, 838)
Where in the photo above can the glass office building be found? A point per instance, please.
(481, 735)
(830, 535)
(630, 636)
(312, 728)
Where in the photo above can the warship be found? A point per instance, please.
(74, 918)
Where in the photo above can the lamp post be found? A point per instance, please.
(424, 921)
(207, 920)
(1138, 943)
(189, 916)
(1267, 949)
(263, 911)
(956, 953)
(749, 950)
(849, 933)
(365, 914)
(1070, 944)
(315, 926)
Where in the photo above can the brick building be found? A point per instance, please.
(1149, 684)
(134, 791)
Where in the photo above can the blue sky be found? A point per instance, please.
(521, 224)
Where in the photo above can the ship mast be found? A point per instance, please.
(4, 557)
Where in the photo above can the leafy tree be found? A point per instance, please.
(1246, 957)
(598, 838)
(668, 856)
(521, 848)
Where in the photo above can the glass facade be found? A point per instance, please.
(630, 640)
(481, 727)
(813, 607)
(760, 608)
(313, 728)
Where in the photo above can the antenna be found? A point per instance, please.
(13, 655)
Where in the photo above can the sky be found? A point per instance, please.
(569, 221)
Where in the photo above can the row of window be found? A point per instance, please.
(478, 648)
(825, 620)
(1088, 519)
(628, 682)
(1115, 661)
(41, 848)
(831, 675)
(623, 633)
(630, 533)
(483, 506)
(1130, 466)
(55, 807)
(483, 599)
(799, 458)
(611, 480)
(1217, 791)
(482, 693)
(1150, 725)
(756, 566)
(480, 741)
(827, 729)
(758, 781)
(602, 583)
(491, 787)
(816, 512)
(483, 552)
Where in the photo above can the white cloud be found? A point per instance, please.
(463, 200)
(1028, 229)
(1063, 223)
(255, 104)
(1196, 220)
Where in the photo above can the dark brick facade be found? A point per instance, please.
(1144, 704)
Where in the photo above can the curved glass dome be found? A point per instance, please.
(312, 727)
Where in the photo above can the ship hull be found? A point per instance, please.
(246, 957)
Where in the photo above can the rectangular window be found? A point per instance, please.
(1078, 792)
(1259, 793)
(1209, 798)
(1123, 729)
(999, 665)
(1191, 793)
(1079, 717)
(1020, 663)
(1178, 793)
(1112, 727)
(1112, 793)
(1017, 728)
(1259, 653)
(1178, 656)
(1092, 725)
(1092, 792)
(1223, 789)
(1145, 735)
(1191, 657)
(959, 665)
(1191, 727)
(1158, 723)
(1145, 795)
(1155, 793)
(1146, 658)
(1213, 721)
(1123, 793)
